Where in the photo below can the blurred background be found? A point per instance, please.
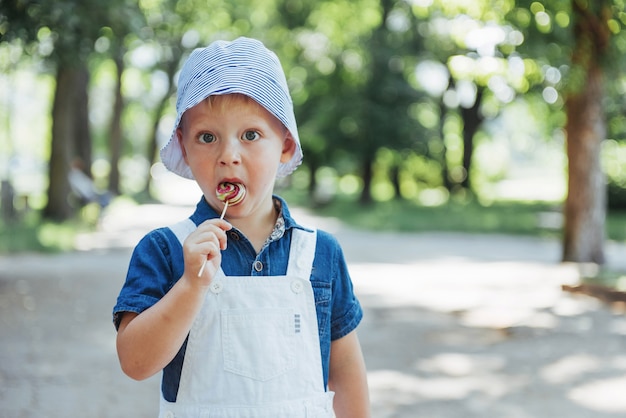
(511, 112)
(468, 107)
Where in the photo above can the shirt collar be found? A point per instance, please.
(204, 212)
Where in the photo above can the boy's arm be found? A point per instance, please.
(348, 378)
(147, 342)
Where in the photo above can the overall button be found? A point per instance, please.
(216, 287)
(297, 286)
(258, 266)
(233, 235)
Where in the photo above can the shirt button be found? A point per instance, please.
(216, 287)
(296, 286)
(233, 235)
(169, 414)
(258, 266)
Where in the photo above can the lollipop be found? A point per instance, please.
(231, 194)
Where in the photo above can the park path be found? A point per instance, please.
(455, 325)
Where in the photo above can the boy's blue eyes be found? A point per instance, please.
(250, 135)
(207, 138)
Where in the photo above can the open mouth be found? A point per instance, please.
(231, 193)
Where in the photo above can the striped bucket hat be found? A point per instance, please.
(242, 66)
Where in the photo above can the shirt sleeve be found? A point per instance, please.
(346, 311)
(150, 274)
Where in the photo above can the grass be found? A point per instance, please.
(518, 218)
(542, 219)
(29, 233)
(18, 236)
(505, 218)
(616, 225)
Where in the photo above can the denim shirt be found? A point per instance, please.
(157, 264)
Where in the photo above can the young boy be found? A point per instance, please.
(267, 329)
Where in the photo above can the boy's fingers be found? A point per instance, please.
(217, 227)
(222, 224)
(211, 233)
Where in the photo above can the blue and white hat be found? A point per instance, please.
(242, 66)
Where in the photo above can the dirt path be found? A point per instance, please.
(455, 326)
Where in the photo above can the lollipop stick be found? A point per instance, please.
(221, 217)
(202, 269)
(224, 210)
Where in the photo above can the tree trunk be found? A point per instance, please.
(585, 205)
(153, 147)
(472, 118)
(443, 158)
(58, 207)
(115, 130)
(368, 174)
(71, 137)
(82, 134)
(313, 165)
(394, 176)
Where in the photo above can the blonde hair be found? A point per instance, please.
(219, 102)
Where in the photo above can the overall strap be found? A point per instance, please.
(182, 229)
(301, 253)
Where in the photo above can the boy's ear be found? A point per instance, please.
(179, 136)
(289, 148)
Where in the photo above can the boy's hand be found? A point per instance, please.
(205, 245)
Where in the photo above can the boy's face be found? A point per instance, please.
(232, 138)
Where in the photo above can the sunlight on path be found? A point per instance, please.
(496, 294)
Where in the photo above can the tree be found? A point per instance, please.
(71, 28)
(385, 96)
(326, 59)
(474, 48)
(115, 127)
(583, 41)
(585, 206)
(122, 24)
(70, 134)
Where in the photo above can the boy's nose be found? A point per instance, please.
(230, 153)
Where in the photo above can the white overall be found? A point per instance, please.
(254, 350)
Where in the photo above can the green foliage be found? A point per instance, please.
(403, 216)
(351, 66)
(616, 195)
(32, 234)
(64, 30)
(613, 156)
(464, 215)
